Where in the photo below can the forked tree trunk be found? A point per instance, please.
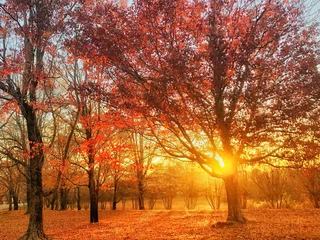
(233, 198)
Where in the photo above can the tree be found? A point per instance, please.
(11, 179)
(273, 185)
(213, 192)
(100, 126)
(221, 82)
(143, 149)
(31, 24)
(14, 150)
(309, 176)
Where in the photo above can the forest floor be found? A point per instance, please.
(262, 224)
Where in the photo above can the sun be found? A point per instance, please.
(219, 160)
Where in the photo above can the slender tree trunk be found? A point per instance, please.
(244, 199)
(64, 199)
(93, 194)
(233, 198)
(15, 201)
(28, 194)
(78, 198)
(114, 202)
(10, 200)
(54, 199)
(141, 195)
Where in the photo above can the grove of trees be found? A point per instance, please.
(102, 97)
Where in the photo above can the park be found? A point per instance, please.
(159, 119)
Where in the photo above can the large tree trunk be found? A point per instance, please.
(35, 227)
(233, 198)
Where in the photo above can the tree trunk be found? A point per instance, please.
(244, 199)
(63, 199)
(114, 201)
(54, 199)
(233, 198)
(10, 200)
(28, 194)
(93, 197)
(15, 201)
(78, 198)
(141, 195)
(35, 227)
(124, 204)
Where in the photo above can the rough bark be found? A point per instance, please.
(233, 198)
(35, 227)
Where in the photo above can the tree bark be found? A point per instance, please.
(35, 227)
(233, 198)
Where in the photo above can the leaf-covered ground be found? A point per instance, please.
(262, 224)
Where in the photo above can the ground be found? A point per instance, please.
(161, 224)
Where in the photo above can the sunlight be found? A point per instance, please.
(219, 159)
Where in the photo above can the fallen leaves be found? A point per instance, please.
(262, 224)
